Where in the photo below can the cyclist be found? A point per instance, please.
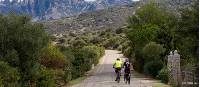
(117, 65)
(127, 70)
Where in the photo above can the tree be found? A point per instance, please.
(187, 33)
(9, 76)
(153, 51)
(22, 41)
(151, 23)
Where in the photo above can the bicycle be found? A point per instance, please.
(118, 76)
(127, 78)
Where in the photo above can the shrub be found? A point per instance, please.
(153, 67)
(119, 48)
(12, 58)
(79, 43)
(94, 53)
(128, 51)
(69, 55)
(24, 39)
(163, 75)
(52, 57)
(68, 74)
(45, 78)
(83, 59)
(125, 45)
(80, 63)
(152, 51)
(9, 76)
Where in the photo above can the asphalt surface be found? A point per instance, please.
(103, 75)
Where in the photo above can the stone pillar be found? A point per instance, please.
(92, 66)
(169, 66)
(177, 67)
(174, 69)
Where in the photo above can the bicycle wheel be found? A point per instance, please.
(118, 77)
(129, 79)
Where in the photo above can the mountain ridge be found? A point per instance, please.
(55, 9)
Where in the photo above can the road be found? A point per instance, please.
(104, 76)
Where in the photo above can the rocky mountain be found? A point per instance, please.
(170, 4)
(110, 18)
(55, 9)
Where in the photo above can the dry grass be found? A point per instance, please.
(160, 85)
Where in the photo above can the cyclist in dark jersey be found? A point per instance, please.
(127, 69)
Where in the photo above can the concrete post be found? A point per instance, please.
(169, 66)
(177, 67)
(174, 68)
(92, 66)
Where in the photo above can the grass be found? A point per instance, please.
(76, 81)
(160, 85)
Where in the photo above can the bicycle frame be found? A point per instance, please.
(118, 76)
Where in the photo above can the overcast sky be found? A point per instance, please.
(95, 0)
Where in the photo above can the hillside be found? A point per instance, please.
(55, 9)
(111, 18)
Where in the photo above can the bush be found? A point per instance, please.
(69, 55)
(128, 51)
(153, 67)
(163, 75)
(21, 43)
(45, 78)
(52, 57)
(80, 63)
(12, 58)
(94, 53)
(79, 43)
(152, 51)
(83, 59)
(9, 76)
(125, 45)
(119, 48)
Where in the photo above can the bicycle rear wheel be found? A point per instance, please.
(118, 77)
(129, 79)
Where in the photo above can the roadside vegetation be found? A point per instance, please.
(28, 58)
(154, 31)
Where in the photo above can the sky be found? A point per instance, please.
(95, 0)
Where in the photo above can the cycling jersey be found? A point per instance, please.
(118, 64)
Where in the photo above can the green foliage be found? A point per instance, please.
(21, 43)
(94, 53)
(69, 57)
(25, 47)
(84, 58)
(187, 33)
(128, 51)
(80, 64)
(12, 57)
(163, 75)
(153, 51)
(152, 23)
(51, 57)
(143, 34)
(9, 76)
(45, 78)
(153, 67)
(79, 43)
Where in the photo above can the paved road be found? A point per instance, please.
(104, 76)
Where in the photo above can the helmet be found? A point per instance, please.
(118, 59)
(126, 60)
